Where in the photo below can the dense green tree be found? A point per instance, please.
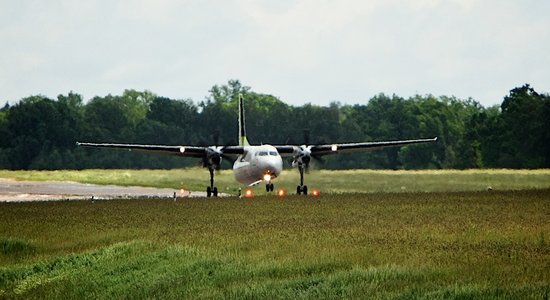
(523, 120)
(6, 139)
(228, 93)
(263, 114)
(32, 124)
(40, 133)
(545, 138)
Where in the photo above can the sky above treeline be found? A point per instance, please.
(299, 51)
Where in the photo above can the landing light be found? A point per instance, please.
(281, 193)
(334, 147)
(248, 193)
(182, 149)
(267, 178)
(184, 192)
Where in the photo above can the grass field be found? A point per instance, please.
(433, 245)
(344, 181)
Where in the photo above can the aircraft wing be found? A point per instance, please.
(187, 151)
(326, 149)
(191, 151)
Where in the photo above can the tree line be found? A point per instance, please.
(40, 133)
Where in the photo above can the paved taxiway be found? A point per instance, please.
(20, 191)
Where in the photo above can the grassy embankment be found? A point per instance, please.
(345, 181)
(489, 244)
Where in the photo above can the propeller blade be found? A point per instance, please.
(306, 136)
(216, 137)
(228, 159)
(318, 159)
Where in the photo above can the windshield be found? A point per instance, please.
(266, 153)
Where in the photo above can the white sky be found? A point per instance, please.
(314, 51)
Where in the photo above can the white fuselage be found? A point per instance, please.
(256, 162)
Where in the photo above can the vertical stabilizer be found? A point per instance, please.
(242, 130)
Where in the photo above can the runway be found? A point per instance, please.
(23, 191)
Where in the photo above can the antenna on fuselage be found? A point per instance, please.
(243, 141)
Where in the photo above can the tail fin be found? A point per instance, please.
(242, 130)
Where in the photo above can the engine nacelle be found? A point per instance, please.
(213, 156)
(302, 156)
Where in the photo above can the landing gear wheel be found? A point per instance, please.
(211, 192)
(301, 189)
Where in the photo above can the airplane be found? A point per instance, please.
(256, 164)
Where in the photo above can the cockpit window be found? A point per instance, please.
(266, 153)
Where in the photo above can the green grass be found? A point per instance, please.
(345, 181)
(437, 245)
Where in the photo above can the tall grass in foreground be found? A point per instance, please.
(328, 181)
(380, 245)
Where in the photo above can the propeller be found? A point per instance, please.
(306, 136)
(216, 136)
(303, 153)
(213, 155)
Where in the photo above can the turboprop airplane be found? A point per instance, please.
(256, 164)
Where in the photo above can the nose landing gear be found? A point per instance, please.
(268, 185)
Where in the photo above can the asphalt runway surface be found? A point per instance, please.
(22, 191)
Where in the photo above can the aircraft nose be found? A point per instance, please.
(273, 166)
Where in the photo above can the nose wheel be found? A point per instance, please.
(269, 187)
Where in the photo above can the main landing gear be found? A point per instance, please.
(301, 188)
(211, 190)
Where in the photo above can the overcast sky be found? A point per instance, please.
(299, 51)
